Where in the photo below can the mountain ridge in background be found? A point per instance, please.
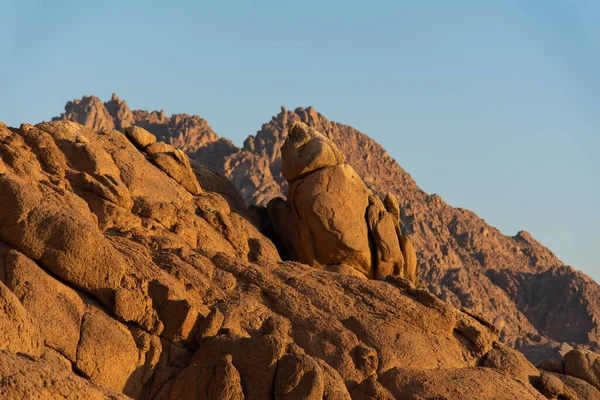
(541, 306)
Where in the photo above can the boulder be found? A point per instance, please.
(583, 364)
(26, 377)
(330, 205)
(552, 387)
(18, 332)
(174, 163)
(566, 387)
(107, 353)
(331, 220)
(382, 226)
(177, 166)
(64, 241)
(306, 150)
(556, 365)
(411, 267)
(298, 377)
(220, 381)
(56, 308)
(212, 181)
(140, 137)
(210, 325)
(463, 383)
(510, 361)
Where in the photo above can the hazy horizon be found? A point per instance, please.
(491, 106)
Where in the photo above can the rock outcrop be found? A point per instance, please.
(27, 377)
(577, 376)
(331, 220)
(185, 132)
(461, 258)
(162, 293)
(540, 305)
(583, 364)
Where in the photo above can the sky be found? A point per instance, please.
(493, 105)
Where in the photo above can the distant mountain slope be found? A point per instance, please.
(541, 305)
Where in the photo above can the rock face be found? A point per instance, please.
(330, 219)
(461, 259)
(18, 332)
(514, 282)
(26, 377)
(577, 376)
(165, 293)
(185, 132)
(583, 364)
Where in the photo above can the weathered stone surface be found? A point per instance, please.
(462, 259)
(298, 377)
(179, 318)
(552, 387)
(140, 137)
(214, 182)
(382, 226)
(210, 325)
(371, 389)
(391, 205)
(235, 226)
(55, 308)
(331, 219)
(176, 164)
(585, 365)
(132, 304)
(411, 268)
(556, 365)
(18, 332)
(25, 377)
(480, 333)
(511, 362)
(463, 384)
(567, 387)
(63, 241)
(306, 150)
(107, 353)
(160, 148)
(330, 205)
(215, 382)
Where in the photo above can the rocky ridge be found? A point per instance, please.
(123, 275)
(542, 307)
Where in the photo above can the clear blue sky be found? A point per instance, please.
(494, 105)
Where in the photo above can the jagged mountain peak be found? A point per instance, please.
(185, 131)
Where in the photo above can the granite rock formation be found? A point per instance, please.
(183, 131)
(165, 293)
(542, 306)
(330, 219)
